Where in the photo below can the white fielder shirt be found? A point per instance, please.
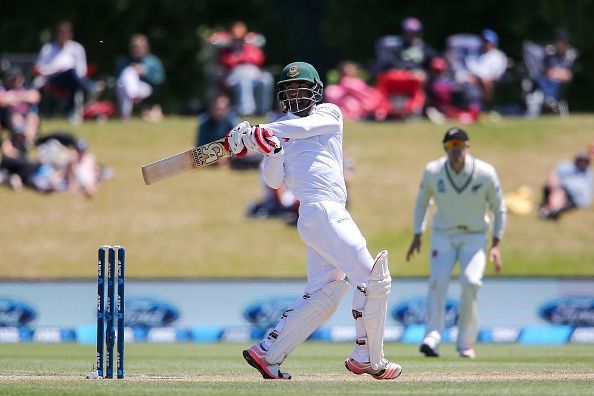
(312, 164)
(54, 59)
(462, 199)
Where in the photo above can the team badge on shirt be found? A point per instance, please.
(440, 186)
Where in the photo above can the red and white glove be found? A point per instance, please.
(262, 141)
(234, 139)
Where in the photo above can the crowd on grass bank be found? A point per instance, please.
(407, 79)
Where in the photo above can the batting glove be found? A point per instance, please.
(234, 139)
(262, 141)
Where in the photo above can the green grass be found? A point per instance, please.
(60, 369)
(194, 225)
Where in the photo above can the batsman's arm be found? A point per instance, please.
(325, 120)
(183, 162)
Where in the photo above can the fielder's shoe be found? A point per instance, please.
(468, 353)
(428, 351)
(255, 358)
(389, 371)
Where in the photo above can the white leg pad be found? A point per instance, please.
(306, 316)
(374, 313)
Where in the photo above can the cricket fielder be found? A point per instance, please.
(304, 149)
(463, 188)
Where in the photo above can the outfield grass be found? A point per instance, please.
(60, 369)
(194, 225)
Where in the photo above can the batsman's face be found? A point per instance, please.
(297, 97)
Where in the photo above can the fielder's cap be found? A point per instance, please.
(411, 25)
(455, 134)
(490, 36)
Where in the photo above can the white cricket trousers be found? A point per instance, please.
(335, 246)
(130, 87)
(469, 250)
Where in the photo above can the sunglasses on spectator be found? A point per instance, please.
(455, 144)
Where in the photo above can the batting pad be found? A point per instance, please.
(306, 316)
(374, 313)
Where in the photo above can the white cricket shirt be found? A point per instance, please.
(462, 199)
(55, 59)
(312, 164)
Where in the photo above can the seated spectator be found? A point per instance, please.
(216, 123)
(486, 70)
(242, 60)
(62, 70)
(569, 186)
(557, 68)
(551, 69)
(138, 74)
(402, 63)
(408, 52)
(16, 169)
(445, 97)
(356, 99)
(18, 106)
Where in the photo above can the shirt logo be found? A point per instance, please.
(476, 187)
(293, 71)
(440, 186)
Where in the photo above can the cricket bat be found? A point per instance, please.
(183, 162)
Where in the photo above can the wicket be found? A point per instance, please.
(106, 332)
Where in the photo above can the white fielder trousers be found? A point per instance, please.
(129, 87)
(469, 250)
(335, 246)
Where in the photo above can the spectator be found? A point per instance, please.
(18, 106)
(555, 74)
(356, 99)
(15, 168)
(409, 52)
(62, 69)
(138, 75)
(569, 186)
(242, 61)
(403, 63)
(445, 97)
(485, 70)
(216, 122)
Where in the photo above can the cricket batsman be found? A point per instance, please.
(463, 189)
(304, 149)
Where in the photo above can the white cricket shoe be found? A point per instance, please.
(389, 371)
(468, 353)
(255, 356)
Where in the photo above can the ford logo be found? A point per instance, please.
(413, 311)
(575, 311)
(265, 314)
(15, 313)
(149, 312)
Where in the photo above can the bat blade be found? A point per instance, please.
(184, 162)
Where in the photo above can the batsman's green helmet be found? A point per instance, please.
(299, 71)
